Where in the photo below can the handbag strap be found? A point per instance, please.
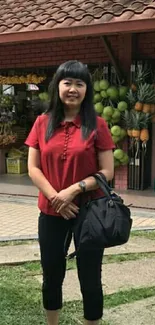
(103, 185)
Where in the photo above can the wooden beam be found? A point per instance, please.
(113, 59)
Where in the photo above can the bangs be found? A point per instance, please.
(73, 69)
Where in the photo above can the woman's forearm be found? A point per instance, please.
(41, 182)
(91, 183)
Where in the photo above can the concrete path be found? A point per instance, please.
(30, 252)
(141, 312)
(138, 313)
(19, 218)
(136, 274)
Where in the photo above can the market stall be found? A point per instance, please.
(21, 101)
(129, 111)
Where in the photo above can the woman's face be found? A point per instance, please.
(72, 92)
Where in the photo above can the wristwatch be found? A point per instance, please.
(82, 185)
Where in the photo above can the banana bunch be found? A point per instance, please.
(16, 80)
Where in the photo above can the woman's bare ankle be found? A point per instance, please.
(52, 317)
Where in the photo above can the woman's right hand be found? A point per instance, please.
(70, 211)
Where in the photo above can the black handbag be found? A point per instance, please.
(103, 222)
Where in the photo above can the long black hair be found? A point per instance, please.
(77, 70)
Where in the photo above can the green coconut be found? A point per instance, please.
(116, 130)
(108, 111)
(97, 85)
(97, 98)
(103, 94)
(118, 154)
(106, 118)
(116, 114)
(114, 121)
(116, 163)
(115, 138)
(99, 107)
(123, 92)
(113, 93)
(123, 133)
(122, 106)
(104, 84)
(125, 159)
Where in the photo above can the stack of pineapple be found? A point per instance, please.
(141, 97)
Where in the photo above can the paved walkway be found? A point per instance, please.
(141, 312)
(12, 254)
(18, 218)
(22, 185)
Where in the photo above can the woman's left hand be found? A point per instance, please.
(63, 198)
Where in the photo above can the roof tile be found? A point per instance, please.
(27, 15)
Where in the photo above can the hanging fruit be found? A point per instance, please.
(144, 133)
(140, 77)
(13, 80)
(110, 102)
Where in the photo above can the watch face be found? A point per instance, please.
(83, 186)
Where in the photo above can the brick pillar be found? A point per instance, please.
(121, 173)
(125, 59)
(153, 155)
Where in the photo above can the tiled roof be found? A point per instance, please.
(29, 15)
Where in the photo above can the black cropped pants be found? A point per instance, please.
(52, 236)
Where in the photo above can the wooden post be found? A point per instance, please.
(114, 61)
(2, 161)
(125, 54)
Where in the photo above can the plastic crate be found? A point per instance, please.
(16, 165)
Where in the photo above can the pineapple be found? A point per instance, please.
(149, 98)
(127, 119)
(137, 123)
(145, 96)
(131, 97)
(144, 133)
(140, 77)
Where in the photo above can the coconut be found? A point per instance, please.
(103, 94)
(108, 111)
(97, 86)
(114, 121)
(116, 130)
(104, 84)
(123, 133)
(97, 98)
(125, 159)
(118, 154)
(122, 106)
(116, 114)
(116, 163)
(123, 92)
(106, 118)
(113, 93)
(99, 108)
(115, 138)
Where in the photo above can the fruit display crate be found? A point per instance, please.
(16, 165)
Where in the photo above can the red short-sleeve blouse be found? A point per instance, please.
(66, 158)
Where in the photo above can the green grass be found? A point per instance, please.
(149, 234)
(20, 298)
(35, 268)
(17, 242)
(117, 258)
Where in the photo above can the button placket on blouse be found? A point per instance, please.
(66, 130)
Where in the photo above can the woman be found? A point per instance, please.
(66, 145)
